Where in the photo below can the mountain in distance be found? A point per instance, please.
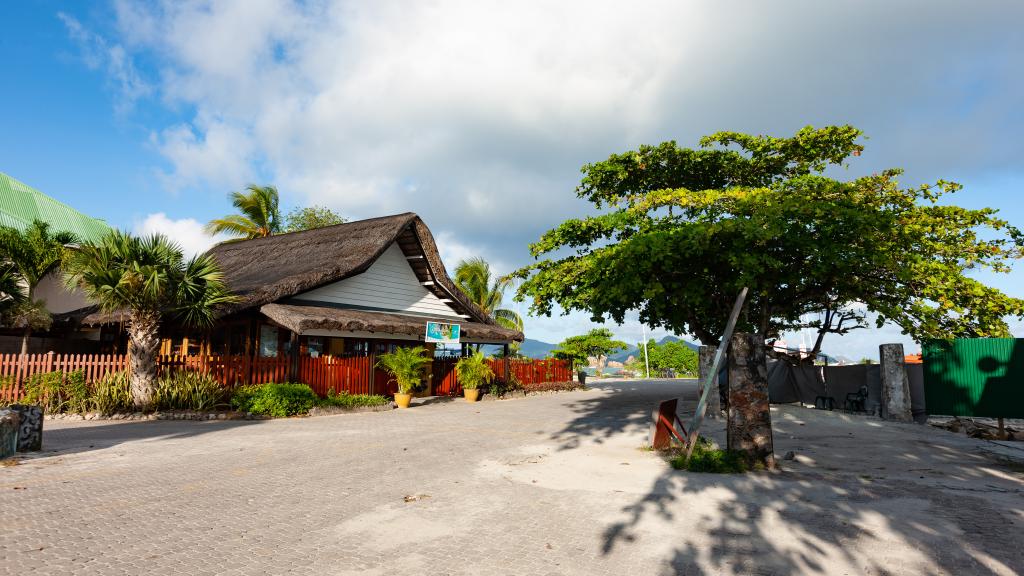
(535, 348)
(538, 349)
(635, 351)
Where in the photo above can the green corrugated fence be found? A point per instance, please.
(974, 377)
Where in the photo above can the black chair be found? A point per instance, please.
(857, 401)
(825, 403)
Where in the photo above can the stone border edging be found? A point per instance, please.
(334, 410)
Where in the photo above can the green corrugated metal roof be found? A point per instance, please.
(20, 204)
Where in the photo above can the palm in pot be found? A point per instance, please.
(405, 365)
(473, 372)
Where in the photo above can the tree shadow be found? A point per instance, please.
(862, 495)
(87, 436)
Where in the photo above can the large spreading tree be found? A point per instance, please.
(680, 231)
(149, 279)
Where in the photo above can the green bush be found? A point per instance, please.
(112, 394)
(709, 458)
(188, 390)
(57, 392)
(277, 400)
(346, 400)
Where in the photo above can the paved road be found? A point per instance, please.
(539, 486)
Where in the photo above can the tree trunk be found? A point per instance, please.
(28, 326)
(143, 347)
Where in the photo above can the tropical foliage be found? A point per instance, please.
(310, 217)
(473, 371)
(150, 280)
(473, 277)
(683, 230)
(29, 256)
(594, 344)
(277, 400)
(669, 355)
(406, 366)
(259, 214)
(188, 390)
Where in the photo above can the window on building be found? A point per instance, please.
(268, 341)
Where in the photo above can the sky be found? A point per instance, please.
(478, 115)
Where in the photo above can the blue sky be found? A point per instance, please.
(478, 115)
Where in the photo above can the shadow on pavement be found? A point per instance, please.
(83, 437)
(879, 508)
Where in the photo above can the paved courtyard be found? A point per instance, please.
(544, 485)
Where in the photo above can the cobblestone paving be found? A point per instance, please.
(545, 485)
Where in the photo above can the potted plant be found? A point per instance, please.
(473, 371)
(405, 366)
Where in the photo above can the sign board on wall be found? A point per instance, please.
(442, 333)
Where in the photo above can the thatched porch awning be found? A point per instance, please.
(302, 319)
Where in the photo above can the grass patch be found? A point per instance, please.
(709, 458)
(346, 400)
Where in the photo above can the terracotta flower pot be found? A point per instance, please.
(402, 399)
(471, 395)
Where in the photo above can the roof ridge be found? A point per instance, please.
(239, 242)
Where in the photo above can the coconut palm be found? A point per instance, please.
(150, 279)
(473, 277)
(260, 215)
(31, 255)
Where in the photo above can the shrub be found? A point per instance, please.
(707, 457)
(549, 386)
(57, 392)
(187, 390)
(346, 400)
(278, 400)
(499, 387)
(473, 371)
(112, 394)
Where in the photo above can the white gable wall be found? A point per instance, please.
(389, 284)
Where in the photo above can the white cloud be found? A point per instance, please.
(478, 115)
(97, 53)
(186, 232)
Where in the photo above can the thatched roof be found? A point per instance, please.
(265, 270)
(301, 319)
(271, 270)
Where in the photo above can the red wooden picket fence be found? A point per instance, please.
(355, 375)
(525, 371)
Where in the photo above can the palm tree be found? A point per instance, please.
(12, 292)
(149, 278)
(473, 277)
(260, 215)
(31, 255)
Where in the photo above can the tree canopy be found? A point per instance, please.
(28, 256)
(669, 355)
(682, 230)
(474, 278)
(594, 344)
(259, 214)
(149, 278)
(310, 217)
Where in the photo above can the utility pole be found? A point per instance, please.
(647, 363)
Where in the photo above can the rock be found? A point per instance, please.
(9, 421)
(30, 427)
(790, 455)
